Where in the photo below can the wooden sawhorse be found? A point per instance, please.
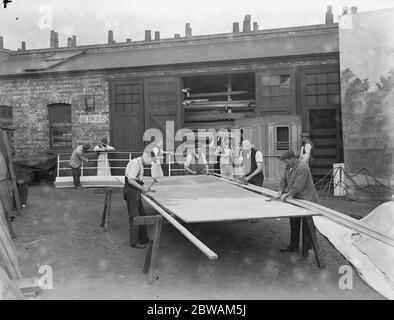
(311, 230)
(153, 224)
(107, 209)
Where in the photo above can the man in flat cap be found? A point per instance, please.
(306, 153)
(297, 183)
(76, 160)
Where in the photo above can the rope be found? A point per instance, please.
(372, 187)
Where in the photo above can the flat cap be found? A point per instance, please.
(305, 134)
(287, 154)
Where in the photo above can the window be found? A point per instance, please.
(282, 138)
(60, 126)
(275, 91)
(90, 104)
(6, 116)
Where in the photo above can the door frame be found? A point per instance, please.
(112, 96)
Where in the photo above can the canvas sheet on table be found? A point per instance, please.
(196, 199)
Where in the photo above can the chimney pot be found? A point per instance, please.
(111, 37)
(329, 15)
(148, 35)
(23, 47)
(247, 22)
(177, 36)
(235, 27)
(1, 42)
(69, 42)
(255, 26)
(74, 41)
(353, 10)
(188, 31)
(56, 40)
(128, 40)
(157, 35)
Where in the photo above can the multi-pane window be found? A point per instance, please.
(275, 91)
(282, 138)
(60, 129)
(322, 89)
(5, 116)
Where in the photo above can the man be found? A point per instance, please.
(252, 163)
(76, 160)
(103, 167)
(133, 187)
(196, 162)
(297, 183)
(306, 153)
(156, 169)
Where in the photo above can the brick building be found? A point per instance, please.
(272, 84)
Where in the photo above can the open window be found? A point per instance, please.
(282, 138)
(60, 128)
(217, 100)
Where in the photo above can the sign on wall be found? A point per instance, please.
(93, 118)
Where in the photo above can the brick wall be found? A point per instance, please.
(29, 98)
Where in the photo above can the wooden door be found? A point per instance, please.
(163, 103)
(321, 116)
(126, 122)
(127, 115)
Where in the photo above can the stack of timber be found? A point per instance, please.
(204, 114)
(5, 196)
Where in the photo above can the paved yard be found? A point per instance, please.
(91, 264)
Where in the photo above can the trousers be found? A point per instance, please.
(135, 208)
(76, 173)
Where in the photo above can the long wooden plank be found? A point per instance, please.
(193, 239)
(12, 173)
(333, 215)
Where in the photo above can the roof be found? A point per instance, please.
(295, 41)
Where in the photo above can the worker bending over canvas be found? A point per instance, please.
(252, 163)
(296, 182)
(196, 162)
(133, 187)
(76, 160)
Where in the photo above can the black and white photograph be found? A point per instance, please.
(203, 153)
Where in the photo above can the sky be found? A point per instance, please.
(90, 20)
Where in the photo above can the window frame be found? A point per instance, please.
(59, 126)
(276, 137)
(8, 120)
(291, 108)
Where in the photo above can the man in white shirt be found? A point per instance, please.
(306, 153)
(134, 186)
(196, 162)
(252, 163)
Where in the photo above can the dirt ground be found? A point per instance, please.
(61, 228)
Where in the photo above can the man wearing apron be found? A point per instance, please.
(196, 162)
(252, 162)
(306, 154)
(133, 187)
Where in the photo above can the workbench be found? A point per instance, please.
(182, 200)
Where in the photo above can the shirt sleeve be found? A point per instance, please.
(259, 157)
(132, 170)
(307, 148)
(203, 158)
(188, 160)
